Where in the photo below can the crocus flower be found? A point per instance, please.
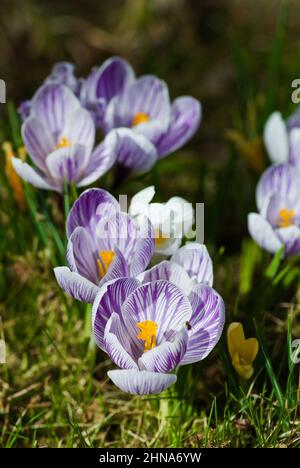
(62, 73)
(242, 351)
(278, 201)
(171, 221)
(282, 139)
(149, 329)
(59, 136)
(103, 244)
(141, 111)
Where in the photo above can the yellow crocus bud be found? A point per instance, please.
(242, 351)
(12, 177)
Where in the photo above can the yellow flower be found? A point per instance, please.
(12, 176)
(242, 351)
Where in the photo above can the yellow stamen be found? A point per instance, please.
(64, 142)
(148, 333)
(140, 117)
(12, 176)
(160, 239)
(104, 261)
(286, 218)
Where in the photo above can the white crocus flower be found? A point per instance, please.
(171, 221)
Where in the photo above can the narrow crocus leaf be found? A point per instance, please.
(275, 263)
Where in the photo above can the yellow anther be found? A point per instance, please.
(286, 218)
(140, 117)
(64, 142)
(104, 261)
(148, 333)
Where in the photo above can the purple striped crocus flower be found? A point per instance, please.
(103, 244)
(140, 109)
(59, 136)
(278, 201)
(152, 324)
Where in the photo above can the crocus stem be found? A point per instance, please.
(66, 199)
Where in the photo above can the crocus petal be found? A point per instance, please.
(92, 206)
(31, 175)
(263, 233)
(114, 343)
(38, 140)
(141, 382)
(279, 178)
(102, 159)
(118, 268)
(168, 271)
(64, 73)
(54, 105)
(109, 300)
(294, 154)
(83, 254)
(160, 302)
(144, 248)
(195, 259)
(276, 138)
(237, 344)
(140, 201)
(290, 237)
(185, 120)
(167, 356)
(76, 285)
(80, 129)
(67, 163)
(206, 323)
(24, 109)
(135, 151)
(183, 214)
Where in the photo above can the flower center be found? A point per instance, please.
(286, 218)
(148, 333)
(64, 142)
(160, 239)
(104, 260)
(140, 117)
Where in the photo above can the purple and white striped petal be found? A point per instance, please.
(67, 164)
(76, 285)
(54, 105)
(92, 206)
(79, 128)
(141, 382)
(134, 151)
(33, 176)
(167, 356)
(115, 343)
(263, 233)
(144, 247)
(102, 159)
(109, 300)
(294, 149)
(82, 254)
(185, 120)
(24, 109)
(38, 140)
(64, 73)
(290, 237)
(195, 259)
(206, 323)
(169, 271)
(160, 302)
(279, 178)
